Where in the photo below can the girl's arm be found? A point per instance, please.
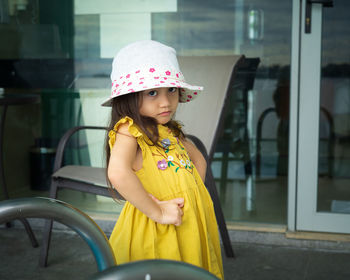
(124, 180)
(196, 157)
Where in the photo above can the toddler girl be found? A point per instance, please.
(168, 212)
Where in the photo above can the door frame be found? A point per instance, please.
(304, 128)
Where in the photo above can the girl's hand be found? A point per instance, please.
(171, 211)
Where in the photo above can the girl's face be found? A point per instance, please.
(159, 103)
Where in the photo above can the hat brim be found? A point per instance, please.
(187, 92)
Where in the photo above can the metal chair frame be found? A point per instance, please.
(62, 178)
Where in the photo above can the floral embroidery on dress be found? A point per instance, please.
(165, 143)
(162, 164)
(181, 160)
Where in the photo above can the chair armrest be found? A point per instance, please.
(63, 142)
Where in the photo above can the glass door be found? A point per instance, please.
(323, 159)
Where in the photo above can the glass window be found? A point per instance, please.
(63, 50)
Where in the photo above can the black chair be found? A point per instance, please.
(232, 132)
(155, 270)
(93, 180)
(85, 227)
(64, 213)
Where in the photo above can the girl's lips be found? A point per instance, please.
(164, 114)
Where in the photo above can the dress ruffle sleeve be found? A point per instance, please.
(133, 129)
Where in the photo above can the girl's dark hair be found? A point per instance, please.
(128, 105)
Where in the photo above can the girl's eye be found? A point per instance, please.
(172, 89)
(152, 93)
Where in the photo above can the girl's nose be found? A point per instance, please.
(164, 100)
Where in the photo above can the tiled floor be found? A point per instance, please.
(70, 258)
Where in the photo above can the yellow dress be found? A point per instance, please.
(168, 173)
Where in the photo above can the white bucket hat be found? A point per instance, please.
(148, 64)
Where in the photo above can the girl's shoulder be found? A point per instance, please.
(125, 126)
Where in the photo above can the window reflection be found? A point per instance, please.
(334, 135)
(63, 49)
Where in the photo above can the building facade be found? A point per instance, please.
(295, 120)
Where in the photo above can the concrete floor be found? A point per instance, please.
(71, 258)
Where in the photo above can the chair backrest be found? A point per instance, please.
(201, 117)
(155, 270)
